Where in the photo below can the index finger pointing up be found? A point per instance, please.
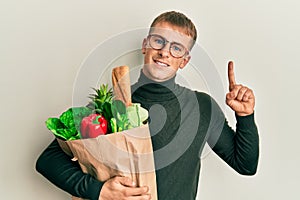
(231, 77)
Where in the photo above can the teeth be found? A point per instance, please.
(161, 64)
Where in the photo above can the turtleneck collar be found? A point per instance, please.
(155, 91)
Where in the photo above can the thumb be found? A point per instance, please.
(127, 182)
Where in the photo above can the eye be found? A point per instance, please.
(177, 47)
(159, 41)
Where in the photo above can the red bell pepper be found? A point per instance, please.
(93, 126)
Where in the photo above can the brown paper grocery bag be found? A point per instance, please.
(127, 153)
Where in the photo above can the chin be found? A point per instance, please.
(157, 74)
(160, 77)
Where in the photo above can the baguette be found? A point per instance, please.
(121, 84)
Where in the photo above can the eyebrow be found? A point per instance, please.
(171, 42)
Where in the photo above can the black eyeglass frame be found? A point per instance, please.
(165, 42)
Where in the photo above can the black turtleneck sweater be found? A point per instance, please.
(181, 121)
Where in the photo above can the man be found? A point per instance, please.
(190, 120)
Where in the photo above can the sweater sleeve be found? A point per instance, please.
(58, 168)
(240, 148)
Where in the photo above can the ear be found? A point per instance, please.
(184, 62)
(144, 44)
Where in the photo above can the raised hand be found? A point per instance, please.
(122, 188)
(240, 98)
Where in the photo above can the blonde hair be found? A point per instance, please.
(177, 19)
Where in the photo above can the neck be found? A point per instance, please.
(154, 79)
(144, 80)
(154, 90)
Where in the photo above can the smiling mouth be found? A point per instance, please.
(161, 63)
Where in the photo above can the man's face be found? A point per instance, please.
(160, 65)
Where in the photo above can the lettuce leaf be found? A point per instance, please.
(67, 126)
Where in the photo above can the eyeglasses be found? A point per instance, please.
(158, 42)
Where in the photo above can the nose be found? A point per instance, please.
(165, 51)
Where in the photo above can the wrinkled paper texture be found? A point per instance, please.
(128, 153)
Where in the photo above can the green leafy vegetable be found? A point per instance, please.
(78, 114)
(118, 110)
(136, 114)
(120, 118)
(67, 126)
(113, 125)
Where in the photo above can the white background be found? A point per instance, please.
(43, 43)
